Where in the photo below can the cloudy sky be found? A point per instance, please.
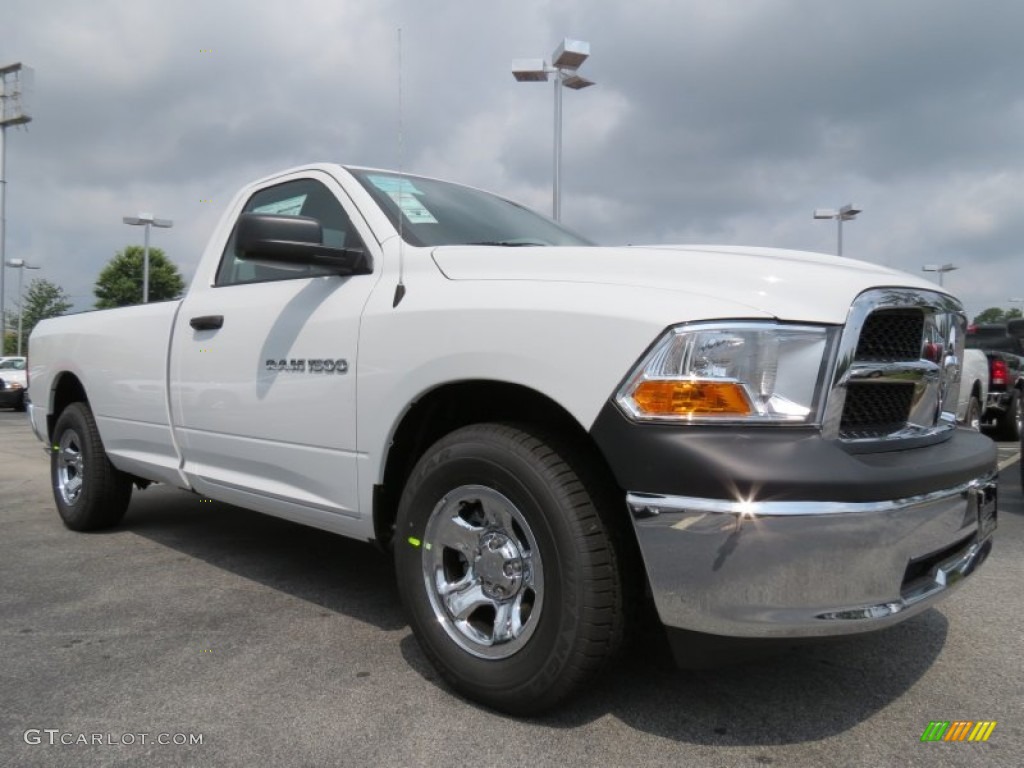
(713, 121)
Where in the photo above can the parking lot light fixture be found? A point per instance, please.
(942, 269)
(21, 266)
(15, 80)
(847, 213)
(567, 58)
(146, 220)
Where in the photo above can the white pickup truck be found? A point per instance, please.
(546, 433)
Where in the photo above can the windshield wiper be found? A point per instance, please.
(507, 243)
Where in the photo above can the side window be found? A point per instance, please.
(303, 197)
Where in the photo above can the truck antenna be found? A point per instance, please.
(400, 288)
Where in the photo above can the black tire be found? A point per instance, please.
(973, 418)
(90, 493)
(499, 510)
(1008, 426)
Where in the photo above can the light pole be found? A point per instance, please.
(12, 112)
(942, 269)
(146, 220)
(847, 213)
(21, 266)
(566, 59)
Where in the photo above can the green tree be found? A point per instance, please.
(997, 315)
(10, 345)
(120, 282)
(43, 299)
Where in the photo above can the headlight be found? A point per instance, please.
(726, 372)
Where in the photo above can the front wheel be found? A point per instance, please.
(90, 492)
(507, 570)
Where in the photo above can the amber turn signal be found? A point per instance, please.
(675, 397)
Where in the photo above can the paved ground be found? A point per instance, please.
(284, 646)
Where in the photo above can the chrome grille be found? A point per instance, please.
(898, 368)
(891, 334)
(874, 410)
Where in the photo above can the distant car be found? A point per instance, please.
(12, 383)
(1003, 344)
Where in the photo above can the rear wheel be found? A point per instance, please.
(1021, 462)
(973, 418)
(507, 570)
(90, 492)
(1008, 427)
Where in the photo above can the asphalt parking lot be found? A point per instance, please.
(278, 645)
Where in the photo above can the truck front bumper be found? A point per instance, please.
(805, 569)
(764, 532)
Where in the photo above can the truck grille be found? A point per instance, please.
(898, 368)
(891, 334)
(874, 410)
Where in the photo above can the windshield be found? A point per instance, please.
(12, 365)
(440, 213)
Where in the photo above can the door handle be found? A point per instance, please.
(207, 322)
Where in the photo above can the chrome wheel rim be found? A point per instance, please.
(70, 467)
(483, 572)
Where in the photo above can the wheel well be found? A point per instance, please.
(456, 405)
(68, 390)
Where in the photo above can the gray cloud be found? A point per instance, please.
(711, 122)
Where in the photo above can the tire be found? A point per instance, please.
(90, 493)
(509, 575)
(1008, 426)
(973, 418)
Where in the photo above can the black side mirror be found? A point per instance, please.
(291, 240)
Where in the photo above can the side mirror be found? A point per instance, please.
(292, 240)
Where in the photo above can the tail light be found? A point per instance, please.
(1000, 373)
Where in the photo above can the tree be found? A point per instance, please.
(997, 315)
(43, 299)
(10, 345)
(120, 282)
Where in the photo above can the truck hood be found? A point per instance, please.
(789, 285)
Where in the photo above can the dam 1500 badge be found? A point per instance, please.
(307, 366)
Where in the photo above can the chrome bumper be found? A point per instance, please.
(809, 568)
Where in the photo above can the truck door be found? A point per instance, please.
(262, 368)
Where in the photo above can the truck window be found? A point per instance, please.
(303, 197)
